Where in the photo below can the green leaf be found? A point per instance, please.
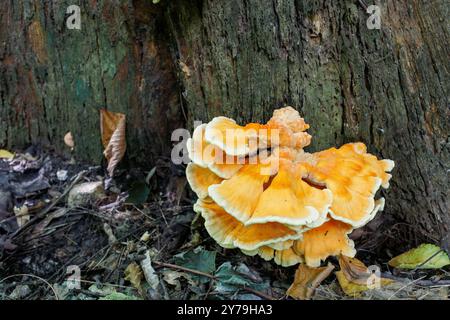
(417, 258)
(119, 296)
(110, 293)
(198, 259)
(138, 193)
(232, 278)
(105, 290)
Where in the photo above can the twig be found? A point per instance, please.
(322, 276)
(80, 176)
(419, 282)
(404, 287)
(119, 201)
(106, 284)
(174, 266)
(164, 217)
(423, 263)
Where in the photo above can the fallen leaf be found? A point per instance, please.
(355, 278)
(350, 288)
(231, 278)
(306, 281)
(110, 293)
(68, 140)
(150, 276)
(198, 259)
(26, 185)
(172, 277)
(104, 290)
(5, 154)
(354, 270)
(64, 292)
(138, 193)
(134, 275)
(425, 256)
(112, 125)
(20, 292)
(354, 289)
(119, 296)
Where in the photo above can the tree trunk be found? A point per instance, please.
(54, 80)
(387, 88)
(243, 59)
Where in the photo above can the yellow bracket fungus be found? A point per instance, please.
(259, 191)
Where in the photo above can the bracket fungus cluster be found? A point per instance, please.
(259, 191)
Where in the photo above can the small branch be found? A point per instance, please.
(419, 282)
(404, 287)
(174, 266)
(56, 201)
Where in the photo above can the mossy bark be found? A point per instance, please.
(54, 80)
(241, 58)
(387, 88)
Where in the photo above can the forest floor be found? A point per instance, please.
(140, 239)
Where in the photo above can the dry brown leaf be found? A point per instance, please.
(306, 281)
(355, 278)
(112, 126)
(354, 270)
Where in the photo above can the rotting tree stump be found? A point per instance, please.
(169, 64)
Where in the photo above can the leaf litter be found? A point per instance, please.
(139, 240)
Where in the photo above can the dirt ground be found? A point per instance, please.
(140, 239)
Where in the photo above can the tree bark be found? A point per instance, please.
(387, 88)
(240, 58)
(54, 80)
